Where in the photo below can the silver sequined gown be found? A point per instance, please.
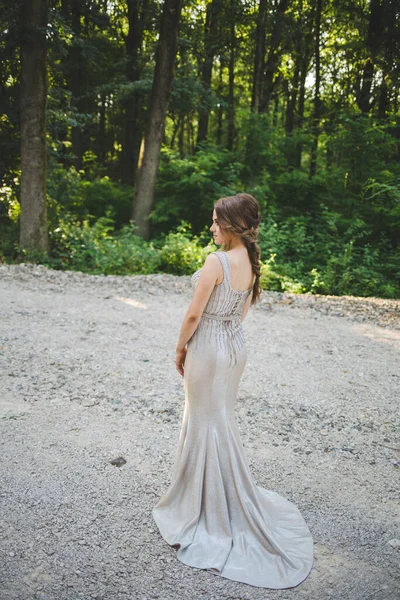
(213, 511)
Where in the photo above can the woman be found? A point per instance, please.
(213, 512)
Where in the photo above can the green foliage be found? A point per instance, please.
(359, 147)
(9, 221)
(381, 203)
(98, 249)
(321, 254)
(187, 188)
(275, 279)
(86, 198)
(298, 254)
(8, 241)
(336, 232)
(261, 143)
(181, 253)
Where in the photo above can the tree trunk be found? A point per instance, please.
(231, 95)
(133, 44)
(210, 46)
(274, 54)
(373, 43)
(390, 56)
(174, 132)
(300, 111)
(181, 137)
(220, 94)
(383, 99)
(149, 155)
(305, 58)
(76, 81)
(317, 97)
(259, 56)
(33, 222)
(275, 114)
(291, 101)
(190, 134)
(101, 131)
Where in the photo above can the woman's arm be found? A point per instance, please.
(207, 280)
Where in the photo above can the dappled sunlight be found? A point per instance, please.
(132, 302)
(378, 334)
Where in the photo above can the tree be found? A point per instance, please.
(317, 97)
(373, 44)
(33, 223)
(137, 15)
(76, 75)
(231, 93)
(274, 54)
(210, 47)
(149, 155)
(259, 56)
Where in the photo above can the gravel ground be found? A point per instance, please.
(87, 375)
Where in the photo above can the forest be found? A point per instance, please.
(122, 122)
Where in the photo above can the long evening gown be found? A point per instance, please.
(213, 512)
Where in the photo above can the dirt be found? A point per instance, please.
(88, 379)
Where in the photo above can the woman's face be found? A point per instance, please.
(216, 231)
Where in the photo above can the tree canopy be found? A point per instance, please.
(293, 101)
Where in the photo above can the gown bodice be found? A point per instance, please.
(224, 301)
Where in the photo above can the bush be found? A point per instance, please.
(187, 188)
(325, 254)
(69, 192)
(98, 249)
(181, 253)
(275, 280)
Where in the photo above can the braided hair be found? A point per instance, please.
(241, 215)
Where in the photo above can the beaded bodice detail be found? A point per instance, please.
(224, 300)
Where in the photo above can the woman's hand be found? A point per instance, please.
(180, 360)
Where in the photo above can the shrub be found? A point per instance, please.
(68, 191)
(187, 188)
(181, 253)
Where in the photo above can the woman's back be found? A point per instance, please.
(225, 299)
(242, 277)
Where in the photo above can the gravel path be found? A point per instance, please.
(87, 375)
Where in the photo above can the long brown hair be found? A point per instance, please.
(241, 215)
